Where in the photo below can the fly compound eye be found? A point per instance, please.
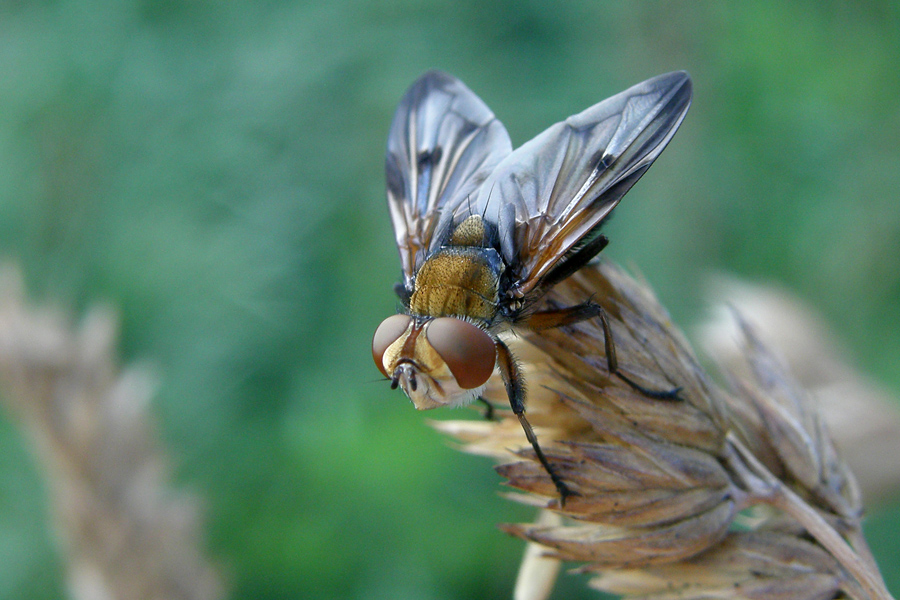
(387, 333)
(468, 351)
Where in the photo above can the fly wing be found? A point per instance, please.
(443, 142)
(549, 196)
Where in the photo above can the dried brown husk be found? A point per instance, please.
(125, 533)
(745, 564)
(659, 483)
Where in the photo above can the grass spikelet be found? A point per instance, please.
(125, 534)
(734, 492)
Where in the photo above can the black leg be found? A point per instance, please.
(402, 292)
(512, 378)
(582, 312)
(488, 409)
(612, 364)
(575, 261)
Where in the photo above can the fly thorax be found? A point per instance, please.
(470, 232)
(462, 281)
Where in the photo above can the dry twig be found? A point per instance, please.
(721, 494)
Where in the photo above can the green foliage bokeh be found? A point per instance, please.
(214, 170)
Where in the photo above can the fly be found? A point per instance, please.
(484, 231)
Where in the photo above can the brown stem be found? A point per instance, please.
(858, 541)
(870, 581)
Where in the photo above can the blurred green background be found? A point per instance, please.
(214, 170)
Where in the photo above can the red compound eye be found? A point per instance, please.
(387, 333)
(468, 351)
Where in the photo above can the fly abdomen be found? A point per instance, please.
(459, 281)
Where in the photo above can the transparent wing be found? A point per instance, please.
(443, 142)
(548, 196)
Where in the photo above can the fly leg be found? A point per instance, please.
(582, 312)
(488, 409)
(512, 379)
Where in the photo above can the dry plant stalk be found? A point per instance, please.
(125, 535)
(721, 494)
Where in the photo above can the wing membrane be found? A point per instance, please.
(548, 196)
(443, 142)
